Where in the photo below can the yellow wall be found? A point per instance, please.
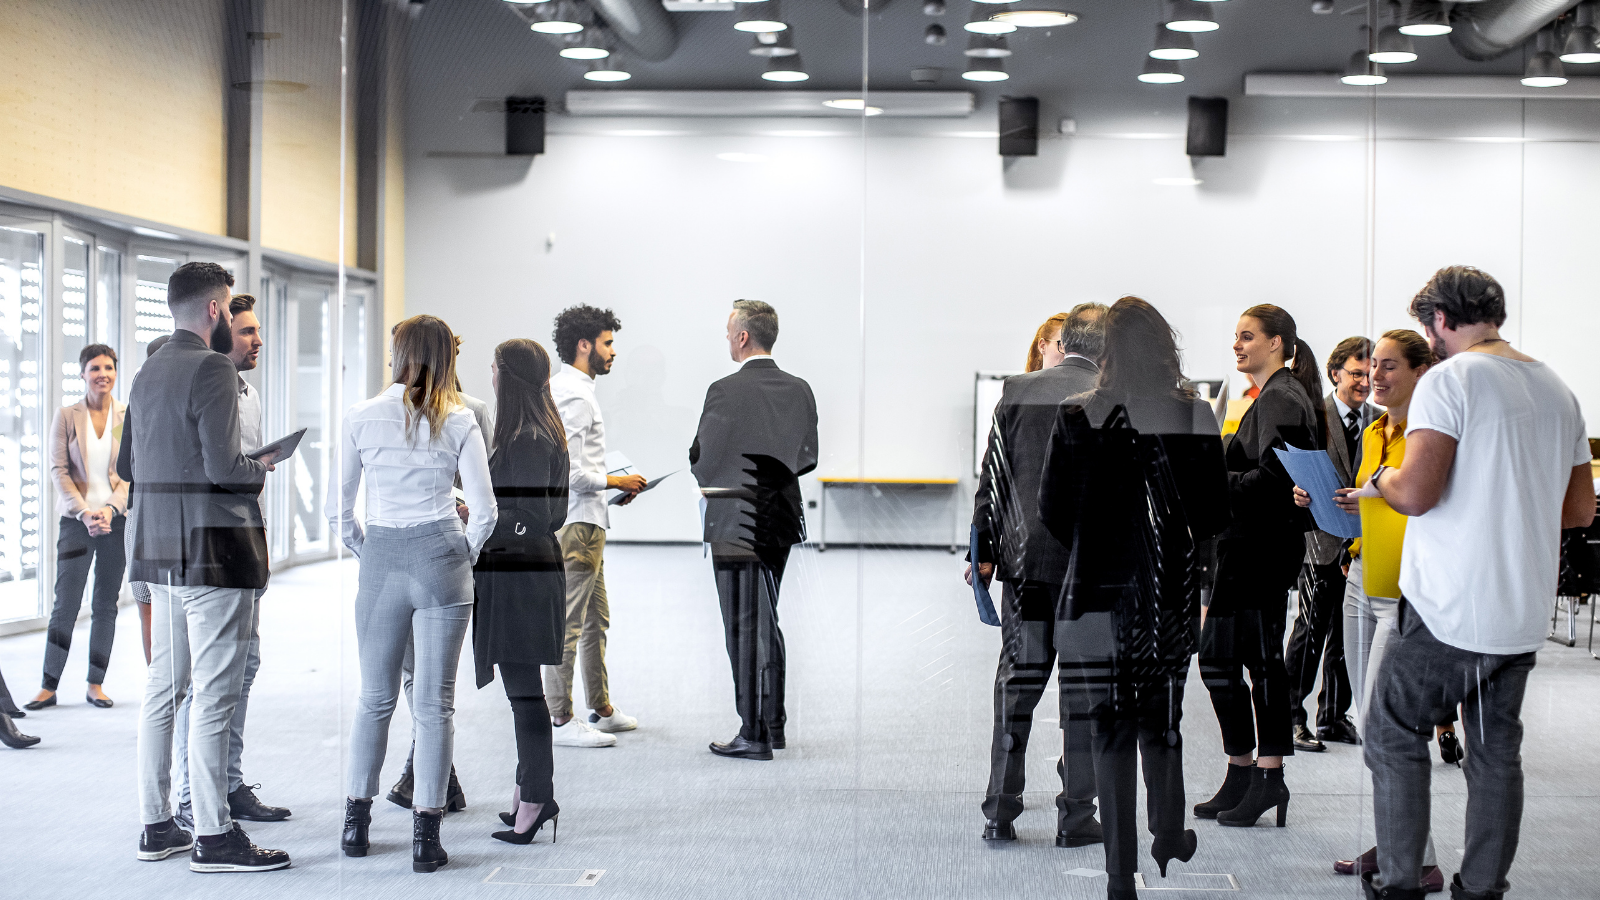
(300, 134)
(118, 106)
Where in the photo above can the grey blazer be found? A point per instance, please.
(195, 514)
(1323, 547)
(67, 453)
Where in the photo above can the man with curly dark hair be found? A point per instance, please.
(584, 341)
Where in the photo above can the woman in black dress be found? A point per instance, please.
(521, 588)
(1258, 558)
(1134, 481)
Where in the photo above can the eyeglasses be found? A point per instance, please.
(1357, 374)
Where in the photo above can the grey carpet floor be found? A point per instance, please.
(890, 676)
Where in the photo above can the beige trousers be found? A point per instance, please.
(588, 616)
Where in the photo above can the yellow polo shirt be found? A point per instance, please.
(1383, 531)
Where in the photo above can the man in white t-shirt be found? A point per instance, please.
(1497, 463)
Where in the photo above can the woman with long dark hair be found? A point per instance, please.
(1133, 481)
(1258, 558)
(409, 443)
(521, 586)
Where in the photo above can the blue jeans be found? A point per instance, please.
(180, 731)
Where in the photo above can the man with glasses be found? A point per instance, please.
(1031, 564)
(1318, 635)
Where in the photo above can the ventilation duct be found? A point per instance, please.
(1492, 28)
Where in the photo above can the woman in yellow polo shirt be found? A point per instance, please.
(1372, 588)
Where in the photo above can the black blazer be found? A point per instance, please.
(1260, 553)
(520, 598)
(194, 509)
(757, 436)
(1005, 509)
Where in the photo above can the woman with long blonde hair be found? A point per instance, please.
(410, 443)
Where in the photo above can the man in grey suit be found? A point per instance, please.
(199, 541)
(757, 436)
(1318, 634)
(1032, 566)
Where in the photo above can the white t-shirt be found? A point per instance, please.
(1480, 568)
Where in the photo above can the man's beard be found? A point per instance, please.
(1436, 344)
(598, 365)
(222, 337)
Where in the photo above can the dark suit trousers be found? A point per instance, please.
(1027, 656)
(75, 550)
(747, 588)
(7, 705)
(1319, 622)
(531, 722)
(1253, 716)
(1122, 741)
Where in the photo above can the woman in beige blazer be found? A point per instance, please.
(93, 503)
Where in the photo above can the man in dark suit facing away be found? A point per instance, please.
(1031, 564)
(757, 436)
(199, 542)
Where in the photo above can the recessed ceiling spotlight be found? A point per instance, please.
(608, 69)
(982, 24)
(560, 17)
(586, 44)
(935, 35)
(1160, 71)
(1394, 46)
(933, 8)
(1544, 70)
(1426, 18)
(1361, 71)
(760, 16)
(981, 69)
(1192, 16)
(1173, 44)
(855, 104)
(1581, 44)
(1036, 18)
(785, 68)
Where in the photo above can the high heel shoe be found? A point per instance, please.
(357, 816)
(455, 798)
(1266, 791)
(1450, 749)
(1169, 847)
(547, 813)
(1233, 789)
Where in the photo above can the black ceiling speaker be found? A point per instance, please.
(1208, 126)
(524, 126)
(1019, 126)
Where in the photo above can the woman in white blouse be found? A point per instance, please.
(409, 443)
(93, 503)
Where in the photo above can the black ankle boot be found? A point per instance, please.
(357, 816)
(455, 800)
(1266, 791)
(427, 855)
(1233, 789)
(400, 794)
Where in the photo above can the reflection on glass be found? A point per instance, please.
(353, 338)
(74, 315)
(108, 299)
(308, 321)
(21, 303)
(151, 317)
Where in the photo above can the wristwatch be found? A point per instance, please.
(1376, 475)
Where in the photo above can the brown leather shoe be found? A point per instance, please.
(1366, 862)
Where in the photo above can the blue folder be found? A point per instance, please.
(980, 594)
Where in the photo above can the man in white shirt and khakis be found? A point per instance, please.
(584, 341)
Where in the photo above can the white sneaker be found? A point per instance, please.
(617, 721)
(577, 734)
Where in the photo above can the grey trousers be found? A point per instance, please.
(199, 637)
(1368, 624)
(76, 550)
(415, 589)
(1421, 681)
(180, 739)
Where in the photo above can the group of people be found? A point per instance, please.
(1129, 534)
(480, 516)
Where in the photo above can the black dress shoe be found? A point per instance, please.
(242, 804)
(775, 738)
(996, 830)
(236, 854)
(17, 713)
(40, 704)
(739, 748)
(1084, 835)
(1342, 731)
(158, 844)
(98, 702)
(1305, 740)
(11, 737)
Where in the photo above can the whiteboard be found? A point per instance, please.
(986, 390)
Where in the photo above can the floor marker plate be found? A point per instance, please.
(1187, 881)
(546, 877)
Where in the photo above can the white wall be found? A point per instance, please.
(940, 261)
